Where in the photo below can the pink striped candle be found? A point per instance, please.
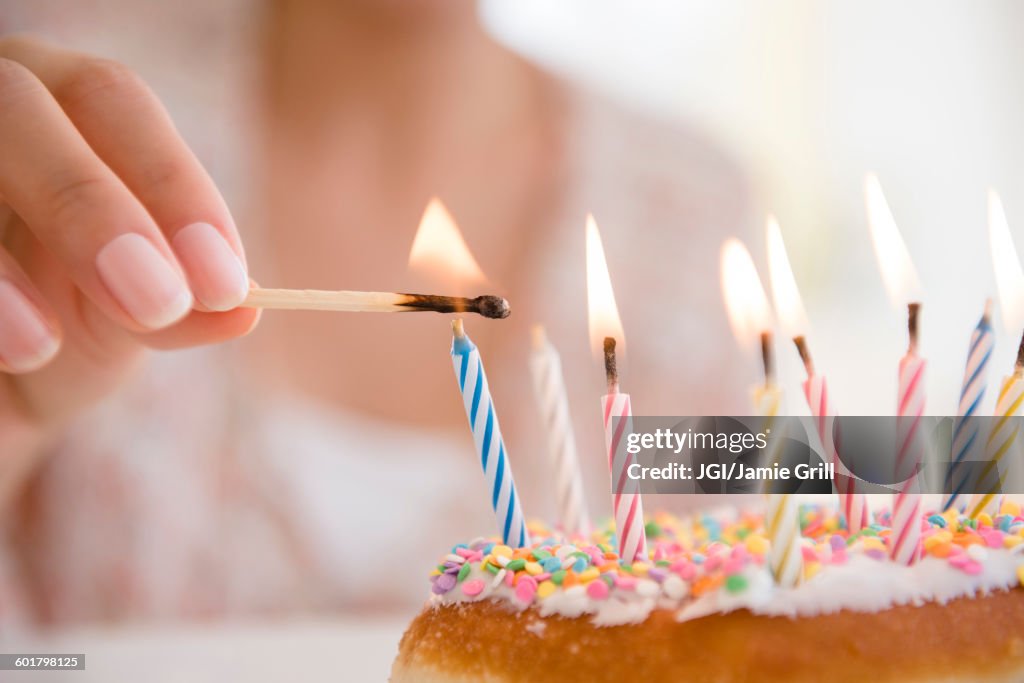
(605, 331)
(793, 320)
(627, 505)
(853, 505)
(902, 285)
(905, 542)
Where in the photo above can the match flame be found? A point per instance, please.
(786, 295)
(440, 250)
(1009, 276)
(898, 272)
(603, 313)
(745, 300)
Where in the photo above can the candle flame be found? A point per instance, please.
(603, 313)
(786, 295)
(1008, 272)
(440, 250)
(745, 300)
(898, 272)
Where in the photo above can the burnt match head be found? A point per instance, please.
(490, 306)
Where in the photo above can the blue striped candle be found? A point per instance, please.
(483, 421)
(965, 429)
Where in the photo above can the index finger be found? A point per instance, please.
(82, 212)
(129, 129)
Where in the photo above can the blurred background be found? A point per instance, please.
(699, 118)
(808, 97)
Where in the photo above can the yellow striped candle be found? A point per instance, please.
(1000, 440)
(782, 511)
(1010, 283)
(747, 305)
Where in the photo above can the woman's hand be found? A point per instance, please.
(112, 236)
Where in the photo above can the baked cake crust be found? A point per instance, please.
(967, 639)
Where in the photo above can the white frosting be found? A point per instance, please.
(861, 584)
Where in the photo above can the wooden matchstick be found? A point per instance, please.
(488, 306)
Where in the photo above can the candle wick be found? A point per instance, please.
(986, 316)
(611, 369)
(538, 337)
(913, 312)
(457, 329)
(1019, 366)
(766, 358)
(805, 354)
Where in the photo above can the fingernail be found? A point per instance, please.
(143, 281)
(26, 340)
(216, 274)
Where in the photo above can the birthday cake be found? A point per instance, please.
(704, 606)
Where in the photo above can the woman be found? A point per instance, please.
(261, 475)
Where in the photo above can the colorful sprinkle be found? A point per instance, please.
(598, 590)
(526, 588)
(444, 583)
(694, 557)
(551, 564)
(737, 583)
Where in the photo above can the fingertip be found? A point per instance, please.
(215, 272)
(143, 281)
(28, 338)
(37, 360)
(255, 321)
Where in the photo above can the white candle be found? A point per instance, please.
(553, 404)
